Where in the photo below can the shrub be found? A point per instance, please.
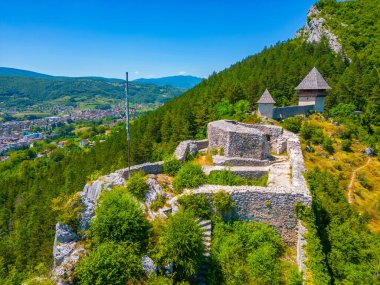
(189, 176)
(238, 251)
(364, 182)
(158, 203)
(311, 132)
(346, 145)
(172, 167)
(328, 145)
(119, 218)
(197, 204)
(222, 201)
(342, 111)
(295, 277)
(182, 245)
(137, 186)
(293, 124)
(226, 177)
(68, 208)
(264, 266)
(110, 263)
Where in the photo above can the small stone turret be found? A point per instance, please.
(266, 104)
(312, 91)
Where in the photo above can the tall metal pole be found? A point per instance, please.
(127, 124)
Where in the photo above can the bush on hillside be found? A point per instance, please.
(189, 176)
(293, 124)
(342, 111)
(197, 204)
(264, 266)
(346, 145)
(172, 167)
(312, 133)
(328, 145)
(119, 218)
(137, 186)
(182, 245)
(245, 253)
(222, 202)
(158, 203)
(68, 208)
(110, 263)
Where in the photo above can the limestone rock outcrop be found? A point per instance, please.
(64, 242)
(316, 29)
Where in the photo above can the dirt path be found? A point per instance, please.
(352, 180)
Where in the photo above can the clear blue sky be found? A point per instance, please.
(147, 38)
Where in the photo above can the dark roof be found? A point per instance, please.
(266, 98)
(313, 81)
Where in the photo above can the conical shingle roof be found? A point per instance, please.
(266, 98)
(313, 81)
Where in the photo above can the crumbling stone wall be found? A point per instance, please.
(271, 205)
(190, 146)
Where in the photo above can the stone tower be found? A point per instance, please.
(266, 104)
(312, 91)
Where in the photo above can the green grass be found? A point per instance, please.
(226, 177)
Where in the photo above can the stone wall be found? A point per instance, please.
(290, 111)
(190, 146)
(272, 205)
(148, 168)
(238, 140)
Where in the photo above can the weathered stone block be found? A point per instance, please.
(238, 140)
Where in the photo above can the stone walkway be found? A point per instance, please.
(205, 226)
(279, 174)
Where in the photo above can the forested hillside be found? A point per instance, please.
(18, 91)
(27, 186)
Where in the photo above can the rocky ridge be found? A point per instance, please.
(68, 247)
(316, 29)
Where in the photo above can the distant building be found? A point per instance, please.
(311, 92)
(266, 104)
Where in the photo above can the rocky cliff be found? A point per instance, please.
(316, 29)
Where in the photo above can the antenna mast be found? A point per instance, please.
(127, 124)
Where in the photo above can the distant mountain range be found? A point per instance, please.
(180, 81)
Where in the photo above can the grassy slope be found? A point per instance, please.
(343, 164)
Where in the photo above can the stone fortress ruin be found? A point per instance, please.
(252, 151)
(249, 151)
